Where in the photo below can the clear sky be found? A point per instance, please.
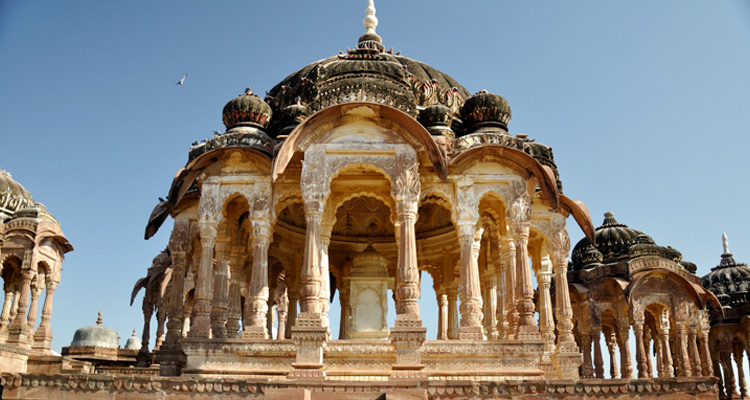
(645, 104)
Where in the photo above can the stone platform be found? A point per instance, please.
(95, 387)
(365, 359)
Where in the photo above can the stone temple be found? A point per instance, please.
(353, 178)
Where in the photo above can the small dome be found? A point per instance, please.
(729, 281)
(13, 196)
(369, 263)
(247, 109)
(37, 211)
(96, 336)
(436, 115)
(133, 343)
(485, 109)
(613, 241)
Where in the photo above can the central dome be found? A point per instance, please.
(365, 73)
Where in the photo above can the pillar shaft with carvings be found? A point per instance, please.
(257, 293)
(220, 300)
(36, 291)
(502, 322)
(310, 274)
(560, 249)
(596, 335)
(640, 351)
(626, 364)
(491, 313)
(19, 328)
(546, 320)
(209, 212)
(520, 216)
(234, 312)
(471, 299)
(43, 334)
(452, 313)
(442, 300)
(511, 311)
(703, 330)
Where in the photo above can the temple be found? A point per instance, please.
(353, 178)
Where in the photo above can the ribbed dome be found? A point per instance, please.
(436, 115)
(613, 241)
(133, 343)
(247, 109)
(729, 281)
(37, 212)
(485, 109)
(96, 336)
(369, 263)
(366, 73)
(13, 196)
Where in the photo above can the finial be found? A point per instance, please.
(370, 21)
(248, 90)
(99, 319)
(725, 242)
(134, 333)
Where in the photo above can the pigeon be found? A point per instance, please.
(217, 133)
(181, 81)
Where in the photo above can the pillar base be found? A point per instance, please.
(20, 336)
(408, 337)
(567, 363)
(171, 360)
(42, 338)
(255, 332)
(310, 342)
(143, 359)
(528, 332)
(471, 333)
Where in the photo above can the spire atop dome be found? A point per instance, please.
(99, 318)
(370, 21)
(725, 242)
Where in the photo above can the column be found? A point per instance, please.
(220, 299)
(452, 312)
(695, 358)
(442, 300)
(471, 301)
(682, 337)
(256, 300)
(703, 330)
(43, 334)
(666, 353)
(200, 323)
(726, 366)
(560, 249)
(520, 216)
(611, 339)
(176, 298)
(325, 292)
(19, 330)
(7, 303)
(312, 280)
(36, 291)
(236, 276)
(491, 314)
(624, 344)
(738, 355)
(293, 293)
(511, 312)
(546, 320)
(647, 339)
(587, 369)
(502, 322)
(659, 350)
(596, 335)
(408, 335)
(640, 349)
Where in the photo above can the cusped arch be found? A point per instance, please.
(338, 115)
(694, 292)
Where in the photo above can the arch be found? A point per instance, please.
(185, 178)
(694, 292)
(341, 114)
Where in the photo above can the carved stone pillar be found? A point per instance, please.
(502, 322)
(310, 332)
(520, 215)
(624, 344)
(560, 249)
(219, 302)
(694, 354)
(257, 293)
(453, 313)
(546, 320)
(43, 334)
(293, 293)
(408, 335)
(666, 354)
(471, 300)
(442, 300)
(236, 277)
(170, 356)
(200, 323)
(345, 311)
(587, 369)
(325, 290)
(640, 350)
(596, 335)
(726, 366)
(738, 352)
(659, 351)
(611, 340)
(511, 311)
(647, 339)
(282, 305)
(682, 337)
(36, 291)
(703, 330)
(19, 331)
(7, 304)
(491, 313)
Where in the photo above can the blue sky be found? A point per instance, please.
(644, 103)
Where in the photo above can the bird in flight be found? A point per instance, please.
(181, 81)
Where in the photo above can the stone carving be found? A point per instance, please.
(155, 297)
